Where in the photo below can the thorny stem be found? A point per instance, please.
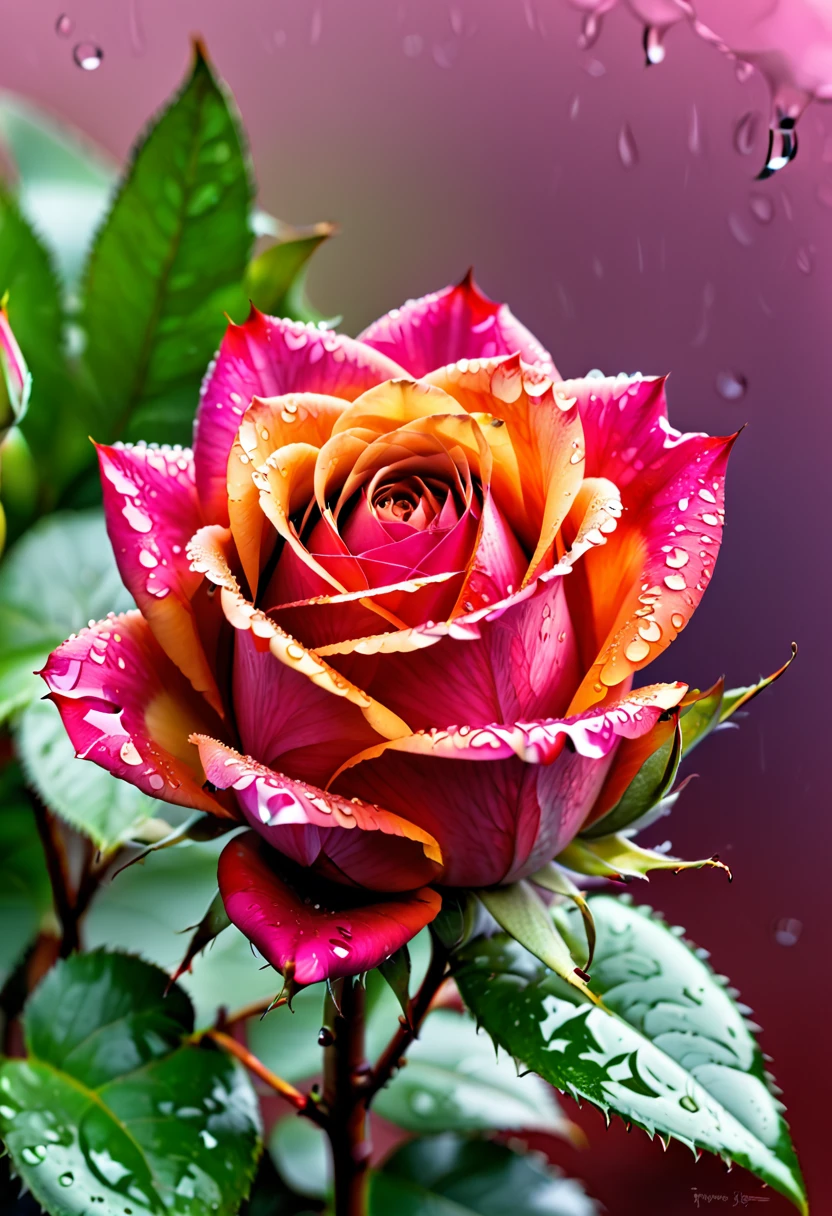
(57, 867)
(345, 1096)
(284, 1088)
(390, 1058)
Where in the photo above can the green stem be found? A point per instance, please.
(346, 1074)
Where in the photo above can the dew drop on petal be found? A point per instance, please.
(677, 620)
(731, 385)
(88, 56)
(676, 582)
(637, 650)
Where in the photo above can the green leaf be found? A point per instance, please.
(621, 858)
(669, 1050)
(553, 878)
(113, 1106)
(147, 908)
(25, 894)
(454, 1081)
(700, 715)
(650, 784)
(52, 425)
(88, 797)
(168, 264)
(450, 1176)
(272, 274)
(57, 578)
(64, 180)
(300, 1151)
(521, 912)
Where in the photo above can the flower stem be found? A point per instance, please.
(346, 1074)
(391, 1057)
(284, 1088)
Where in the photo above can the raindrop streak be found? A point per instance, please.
(135, 27)
(653, 44)
(806, 259)
(627, 147)
(745, 132)
(88, 56)
(590, 29)
(64, 25)
(694, 133)
(731, 385)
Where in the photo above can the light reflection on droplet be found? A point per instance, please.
(88, 56)
(627, 147)
(787, 931)
(731, 385)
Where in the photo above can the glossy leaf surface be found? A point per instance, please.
(450, 1176)
(114, 1110)
(167, 265)
(668, 1050)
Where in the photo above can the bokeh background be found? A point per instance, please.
(615, 207)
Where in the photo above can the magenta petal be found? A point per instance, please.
(267, 357)
(126, 707)
(152, 511)
(307, 928)
(452, 324)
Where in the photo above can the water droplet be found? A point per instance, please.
(207, 1139)
(694, 133)
(34, 1155)
(782, 145)
(64, 25)
(687, 1103)
(129, 754)
(88, 56)
(653, 45)
(677, 620)
(731, 385)
(594, 67)
(66, 1179)
(637, 650)
(762, 208)
(745, 132)
(574, 107)
(627, 147)
(676, 582)
(787, 931)
(423, 1103)
(325, 1037)
(590, 29)
(739, 230)
(806, 259)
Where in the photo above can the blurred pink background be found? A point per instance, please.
(610, 205)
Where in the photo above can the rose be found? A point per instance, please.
(390, 613)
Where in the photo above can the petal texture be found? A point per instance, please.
(267, 357)
(455, 323)
(313, 930)
(129, 709)
(152, 511)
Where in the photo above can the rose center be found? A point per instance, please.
(408, 501)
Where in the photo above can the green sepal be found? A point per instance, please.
(215, 920)
(703, 712)
(271, 276)
(552, 878)
(396, 971)
(522, 913)
(621, 858)
(651, 783)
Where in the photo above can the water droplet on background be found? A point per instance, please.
(762, 208)
(694, 133)
(627, 147)
(787, 931)
(88, 56)
(731, 385)
(745, 132)
(806, 259)
(653, 45)
(64, 25)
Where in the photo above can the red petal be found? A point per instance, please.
(307, 928)
(455, 323)
(267, 357)
(126, 707)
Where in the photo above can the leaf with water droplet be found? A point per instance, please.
(667, 1037)
(451, 1174)
(105, 1051)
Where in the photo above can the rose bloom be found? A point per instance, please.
(389, 615)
